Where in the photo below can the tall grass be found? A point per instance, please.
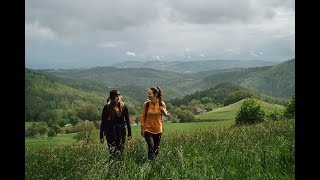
(39, 142)
(260, 151)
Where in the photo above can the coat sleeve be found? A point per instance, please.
(103, 121)
(128, 123)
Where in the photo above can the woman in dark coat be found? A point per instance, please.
(115, 116)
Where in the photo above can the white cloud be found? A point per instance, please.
(253, 54)
(69, 18)
(109, 44)
(128, 53)
(36, 30)
(156, 57)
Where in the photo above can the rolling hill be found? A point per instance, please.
(51, 89)
(193, 66)
(277, 81)
(180, 84)
(43, 93)
(229, 112)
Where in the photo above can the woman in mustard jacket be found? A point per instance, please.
(151, 120)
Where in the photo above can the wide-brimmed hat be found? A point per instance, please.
(114, 93)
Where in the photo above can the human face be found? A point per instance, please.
(116, 99)
(150, 95)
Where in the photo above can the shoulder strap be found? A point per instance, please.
(147, 108)
(160, 105)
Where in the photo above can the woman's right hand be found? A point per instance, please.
(102, 141)
(142, 131)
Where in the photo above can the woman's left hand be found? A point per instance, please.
(129, 137)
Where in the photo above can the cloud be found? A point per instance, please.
(253, 54)
(74, 17)
(226, 11)
(112, 30)
(128, 53)
(156, 57)
(36, 30)
(109, 44)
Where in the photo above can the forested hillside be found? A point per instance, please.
(136, 81)
(278, 81)
(47, 99)
(58, 100)
(269, 80)
(236, 76)
(220, 94)
(63, 94)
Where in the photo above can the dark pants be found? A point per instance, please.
(153, 141)
(116, 138)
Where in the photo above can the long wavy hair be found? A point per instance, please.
(120, 103)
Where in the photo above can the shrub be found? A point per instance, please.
(56, 128)
(32, 131)
(250, 112)
(86, 130)
(186, 116)
(290, 108)
(52, 133)
(274, 114)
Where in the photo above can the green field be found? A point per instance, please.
(37, 142)
(221, 117)
(261, 151)
(213, 149)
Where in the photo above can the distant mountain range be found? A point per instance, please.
(49, 89)
(277, 80)
(193, 66)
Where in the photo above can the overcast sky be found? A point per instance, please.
(82, 33)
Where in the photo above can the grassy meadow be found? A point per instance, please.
(215, 149)
(39, 142)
